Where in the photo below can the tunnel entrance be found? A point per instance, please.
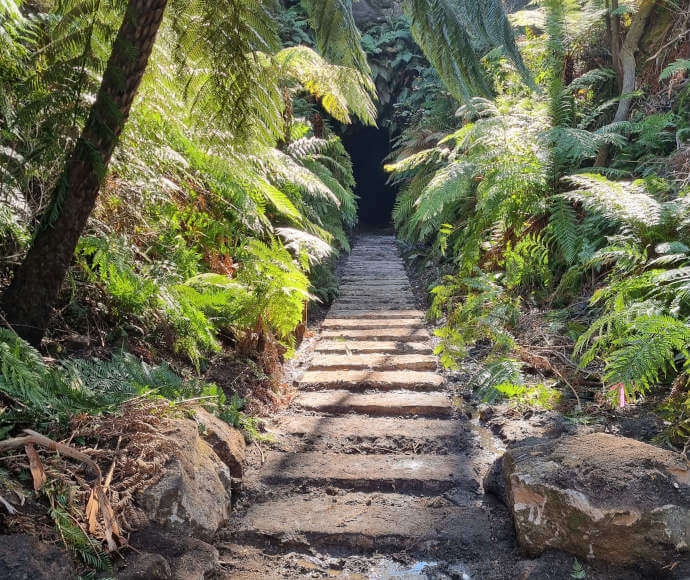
(368, 147)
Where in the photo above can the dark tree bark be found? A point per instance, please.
(30, 298)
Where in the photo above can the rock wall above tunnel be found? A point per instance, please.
(368, 12)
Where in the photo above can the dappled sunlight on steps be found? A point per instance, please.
(368, 459)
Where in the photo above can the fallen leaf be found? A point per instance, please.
(8, 506)
(36, 467)
(92, 512)
(110, 527)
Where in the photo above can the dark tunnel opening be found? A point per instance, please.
(368, 147)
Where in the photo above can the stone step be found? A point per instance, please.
(359, 380)
(375, 250)
(356, 427)
(378, 404)
(364, 522)
(365, 314)
(399, 334)
(364, 288)
(341, 309)
(374, 346)
(383, 259)
(425, 474)
(403, 302)
(374, 269)
(380, 362)
(383, 275)
(380, 292)
(386, 258)
(398, 293)
(383, 266)
(375, 302)
(374, 280)
(390, 255)
(371, 301)
(363, 323)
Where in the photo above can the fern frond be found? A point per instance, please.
(624, 202)
(337, 36)
(564, 228)
(447, 32)
(680, 66)
(340, 89)
(647, 351)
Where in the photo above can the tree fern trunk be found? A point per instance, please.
(29, 300)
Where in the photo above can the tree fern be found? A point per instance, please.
(339, 89)
(440, 199)
(623, 202)
(336, 32)
(565, 229)
(647, 351)
(682, 65)
(109, 260)
(448, 32)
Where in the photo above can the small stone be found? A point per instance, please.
(226, 441)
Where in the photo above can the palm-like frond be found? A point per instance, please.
(337, 36)
(682, 65)
(623, 202)
(303, 243)
(647, 351)
(443, 197)
(224, 71)
(340, 89)
(449, 32)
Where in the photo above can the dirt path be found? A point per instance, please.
(373, 472)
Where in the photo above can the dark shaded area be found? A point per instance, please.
(368, 147)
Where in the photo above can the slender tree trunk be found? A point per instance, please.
(629, 67)
(616, 43)
(30, 298)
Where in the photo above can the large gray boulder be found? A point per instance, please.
(192, 494)
(600, 496)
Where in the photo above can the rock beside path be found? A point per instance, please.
(162, 556)
(192, 493)
(227, 442)
(24, 557)
(602, 497)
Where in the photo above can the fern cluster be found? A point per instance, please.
(509, 202)
(239, 197)
(36, 393)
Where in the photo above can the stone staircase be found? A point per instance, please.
(368, 460)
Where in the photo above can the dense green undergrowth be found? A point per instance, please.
(208, 235)
(511, 212)
(548, 208)
(218, 219)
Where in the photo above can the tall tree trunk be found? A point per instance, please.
(30, 298)
(629, 66)
(615, 41)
